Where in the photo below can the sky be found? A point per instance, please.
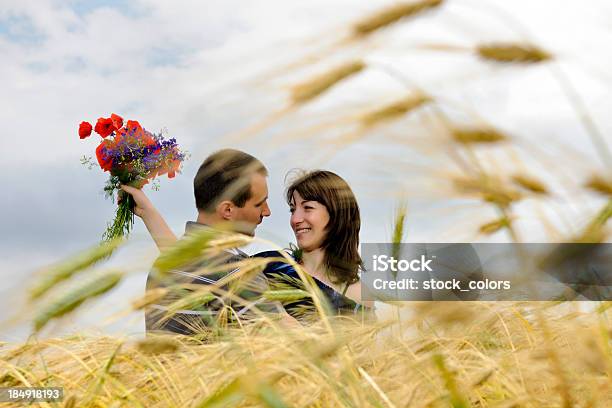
(204, 70)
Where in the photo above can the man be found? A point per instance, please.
(229, 187)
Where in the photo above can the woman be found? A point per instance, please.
(326, 222)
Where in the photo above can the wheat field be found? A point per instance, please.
(468, 354)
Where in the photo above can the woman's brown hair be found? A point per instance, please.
(341, 242)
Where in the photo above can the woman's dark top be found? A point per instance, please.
(282, 275)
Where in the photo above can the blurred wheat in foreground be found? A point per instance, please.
(446, 354)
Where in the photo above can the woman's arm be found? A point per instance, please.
(155, 223)
(354, 292)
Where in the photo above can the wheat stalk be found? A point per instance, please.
(456, 399)
(508, 52)
(314, 87)
(150, 297)
(394, 110)
(530, 183)
(594, 231)
(494, 226)
(64, 270)
(477, 135)
(286, 295)
(392, 14)
(72, 298)
(489, 189)
(600, 184)
(399, 229)
(194, 246)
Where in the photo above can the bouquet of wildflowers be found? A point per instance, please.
(132, 156)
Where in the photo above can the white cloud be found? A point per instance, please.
(186, 65)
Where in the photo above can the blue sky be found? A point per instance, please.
(206, 69)
(84, 7)
(20, 29)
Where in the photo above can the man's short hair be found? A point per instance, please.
(225, 175)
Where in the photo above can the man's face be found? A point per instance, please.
(255, 209)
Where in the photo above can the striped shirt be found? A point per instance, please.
(197, 318)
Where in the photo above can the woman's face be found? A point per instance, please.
(308, 221)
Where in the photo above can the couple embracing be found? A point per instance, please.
(230, 187)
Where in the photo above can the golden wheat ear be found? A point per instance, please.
(477, 135)
(391, 15)
(394, 110)
(600, 184)
(310, 89)
(530, 183)
(508, 52)
(492, 227)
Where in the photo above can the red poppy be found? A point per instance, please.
(106, 163)
(163, 169)
(176, 165)
(134, 128)
(119, 135)
(105, 127)
(170, 168)
(117, 121)
(148, 139)
(84, 130)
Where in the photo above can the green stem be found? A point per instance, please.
(123, 222)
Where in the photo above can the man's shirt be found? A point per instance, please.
(196, 318)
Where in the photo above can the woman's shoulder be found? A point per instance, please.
(271, 254)
(279, 265)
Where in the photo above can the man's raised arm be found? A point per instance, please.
(153, 220)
